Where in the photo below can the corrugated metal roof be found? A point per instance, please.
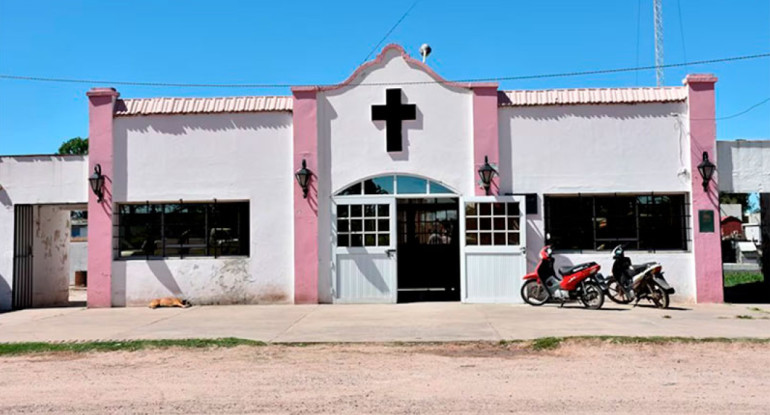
(591, 96)
(155, 106)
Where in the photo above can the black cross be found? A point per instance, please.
(393, 112)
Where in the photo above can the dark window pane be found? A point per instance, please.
(342, 225)
(342, 211)
(485, 238)
(499, 238)
(485, 224)
(499, 223)
(498, 209)
(513, 238)
(383, 225)
(485, 209)
(352, 190)
(356, 240)
(370, 211)
(228, 229)
(411, 185)
(472, 238)
(379, 186)
(369, 225)
(355, 211)
(569, 222)
(471, 224)
(383, 240)
(470, 209)
(383, 211)
(513, 224)
(140, 230)
(343, 240)
(355, 225)
(370, 239)
(185, 229)
(513, 209)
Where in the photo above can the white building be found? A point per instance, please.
(200, 198)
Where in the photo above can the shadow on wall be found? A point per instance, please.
(159, 270)
(616, 111)
(5, 295)
(183, 124)
(5, 200)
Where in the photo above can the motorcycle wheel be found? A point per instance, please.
(658, 296)
(592, 297)
(616, 293)
(533, 293)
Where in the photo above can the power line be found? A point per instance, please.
(374, 49)
(638, 33)
(744, 111)
(459, 81)
(681, 30)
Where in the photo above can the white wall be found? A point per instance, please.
(594, 149)
(50, 250)
(245, 156)
(743, 166)
(34, 180)
(437, 145)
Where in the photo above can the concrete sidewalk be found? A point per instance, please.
(383, 323)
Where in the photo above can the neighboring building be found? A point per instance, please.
(732, 228)
(200, 198)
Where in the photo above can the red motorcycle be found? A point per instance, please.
(579, 282)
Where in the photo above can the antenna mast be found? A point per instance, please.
(658, 12)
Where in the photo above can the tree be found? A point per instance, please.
(75, 145)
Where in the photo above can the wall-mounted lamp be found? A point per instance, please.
(487, 172)
(303, 178)
(706, 169)
(97, 182)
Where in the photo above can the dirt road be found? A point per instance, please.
(578, 377)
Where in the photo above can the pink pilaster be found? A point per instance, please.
(305, 209)
(485, 132)
(706, 245)
(101, 102)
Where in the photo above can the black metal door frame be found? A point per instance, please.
(22, 257)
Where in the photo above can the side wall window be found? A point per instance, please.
(600, 222)
(492, 223)
(183, 229)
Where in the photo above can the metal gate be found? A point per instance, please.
(22, 257)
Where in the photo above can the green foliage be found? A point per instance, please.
(75, 145)
(733, 278)
(546, 343)
(110, 346)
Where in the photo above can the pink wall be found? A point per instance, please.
(305, 210)
(706, 245)
(101, 102)
(485, 133)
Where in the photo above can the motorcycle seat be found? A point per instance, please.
(641, 267)
(571, 269)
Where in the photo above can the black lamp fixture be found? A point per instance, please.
(706, 169)
(96, 180)
(487, 172)
(303, 178)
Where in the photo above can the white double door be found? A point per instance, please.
(364, 249)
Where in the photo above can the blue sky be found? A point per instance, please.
(320, 42)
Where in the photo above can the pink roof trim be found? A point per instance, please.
(379, 59)
(157, 106)
(591, 96)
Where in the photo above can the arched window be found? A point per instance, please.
(393, 184)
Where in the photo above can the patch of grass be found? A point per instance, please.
(111, 346)
(550, 343)
(733, 278)
(666, 316)
(546, 343)
(759, 310)
(744, 317)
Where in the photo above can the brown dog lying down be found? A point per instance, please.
(169, 302)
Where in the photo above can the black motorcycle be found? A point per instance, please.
(630, 282)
